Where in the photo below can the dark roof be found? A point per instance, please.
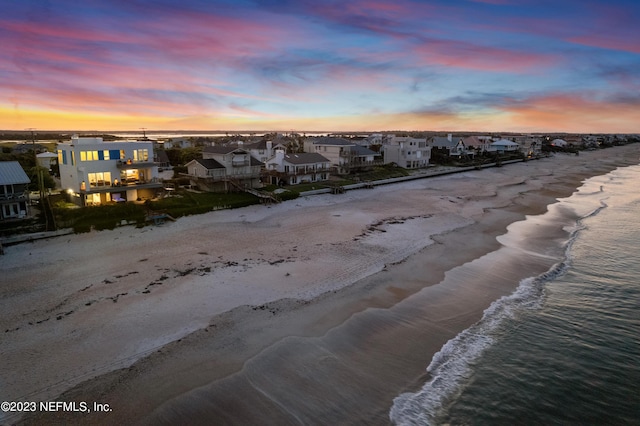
(263, 144)
(331, 141)
(361, 150)
(255, 162)
(442, 142)
(256, 145)
(209, 163)
(305, 158)
(12, 173)
(162, 156)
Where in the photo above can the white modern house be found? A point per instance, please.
(97, 172)
(407, 152)
(291, 169)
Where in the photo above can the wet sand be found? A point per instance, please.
(319, 310)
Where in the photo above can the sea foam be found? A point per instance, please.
(452, 366)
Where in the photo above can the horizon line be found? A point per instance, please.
(231, 132)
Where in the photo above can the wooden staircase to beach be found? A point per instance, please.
(265, 197)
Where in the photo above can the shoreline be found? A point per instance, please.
(470, 214)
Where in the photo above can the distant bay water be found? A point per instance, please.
(565, 347)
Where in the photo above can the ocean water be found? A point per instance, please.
(564, 348)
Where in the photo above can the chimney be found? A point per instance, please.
(279, 155)
(449, 136)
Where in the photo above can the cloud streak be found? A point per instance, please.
(366, 64)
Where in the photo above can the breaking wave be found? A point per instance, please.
(452, 366)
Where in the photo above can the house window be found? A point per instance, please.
(11, 210)
(140, 155)
(89, 156)
(99, 179)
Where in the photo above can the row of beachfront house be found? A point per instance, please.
(97, 172)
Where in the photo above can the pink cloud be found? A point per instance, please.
(461, 54)
(608, 42)
(612, 26)
(27, 30)
(574, 113)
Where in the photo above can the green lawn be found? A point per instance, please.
(186, 203)
(377, 173)
(183, 203)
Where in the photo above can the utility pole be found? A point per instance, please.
(144, 133)
(40, 177)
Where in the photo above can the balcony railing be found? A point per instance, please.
(14, 196)
(225, 177)
(103, 186)
(296, 171)
(129, 164)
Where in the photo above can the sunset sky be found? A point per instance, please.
(321, 65)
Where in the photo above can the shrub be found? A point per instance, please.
(288, 195)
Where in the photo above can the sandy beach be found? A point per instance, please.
(319, 310)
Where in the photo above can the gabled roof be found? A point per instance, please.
(12, 173)
(209, 163)
(305, 158)
(472, 141)
(444, 142)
